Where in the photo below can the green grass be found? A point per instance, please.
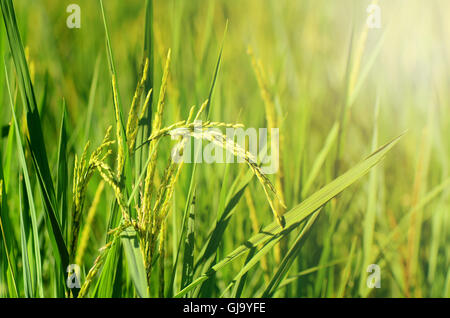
(140, 225)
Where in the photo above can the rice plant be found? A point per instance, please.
(103, 192)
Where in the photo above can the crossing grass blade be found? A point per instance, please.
(293, 278)
(208, 253)
(240, 282)
(104, 287)
(289, 258)
(181, 240)
(296, 215)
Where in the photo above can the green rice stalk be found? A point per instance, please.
(133, 119)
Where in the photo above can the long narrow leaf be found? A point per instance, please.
(136, 267)
(296, 215)
(36, 142)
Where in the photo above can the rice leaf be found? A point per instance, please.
(36, 142)
(289, 258)
(296, 215)
(62, 176)
(136, 268)
(29, 229)
(11, 269)
(188, 251)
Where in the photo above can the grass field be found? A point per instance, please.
(92, 203)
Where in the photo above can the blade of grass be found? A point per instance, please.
(7, 227)
(180, 241)
(30, 213)
(28, 279)
(140, 178)
(132, 254)
(347, 270)
(62, 176)
(216, 72)
(105, 283)
(291, 279)
(148, 53)
(146, 121)
(136, 268)
(207, 254)
(369, 217)
(188, 250)
(91, 100)
(288, 260)
(36, 141)
(296, 215)
(402, 226)
(117, 102)
(5, 244)
(240, 283)
(192, 182)
(9, 157)
(321, 157)
(366, 69)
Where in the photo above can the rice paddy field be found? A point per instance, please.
(93, 203)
